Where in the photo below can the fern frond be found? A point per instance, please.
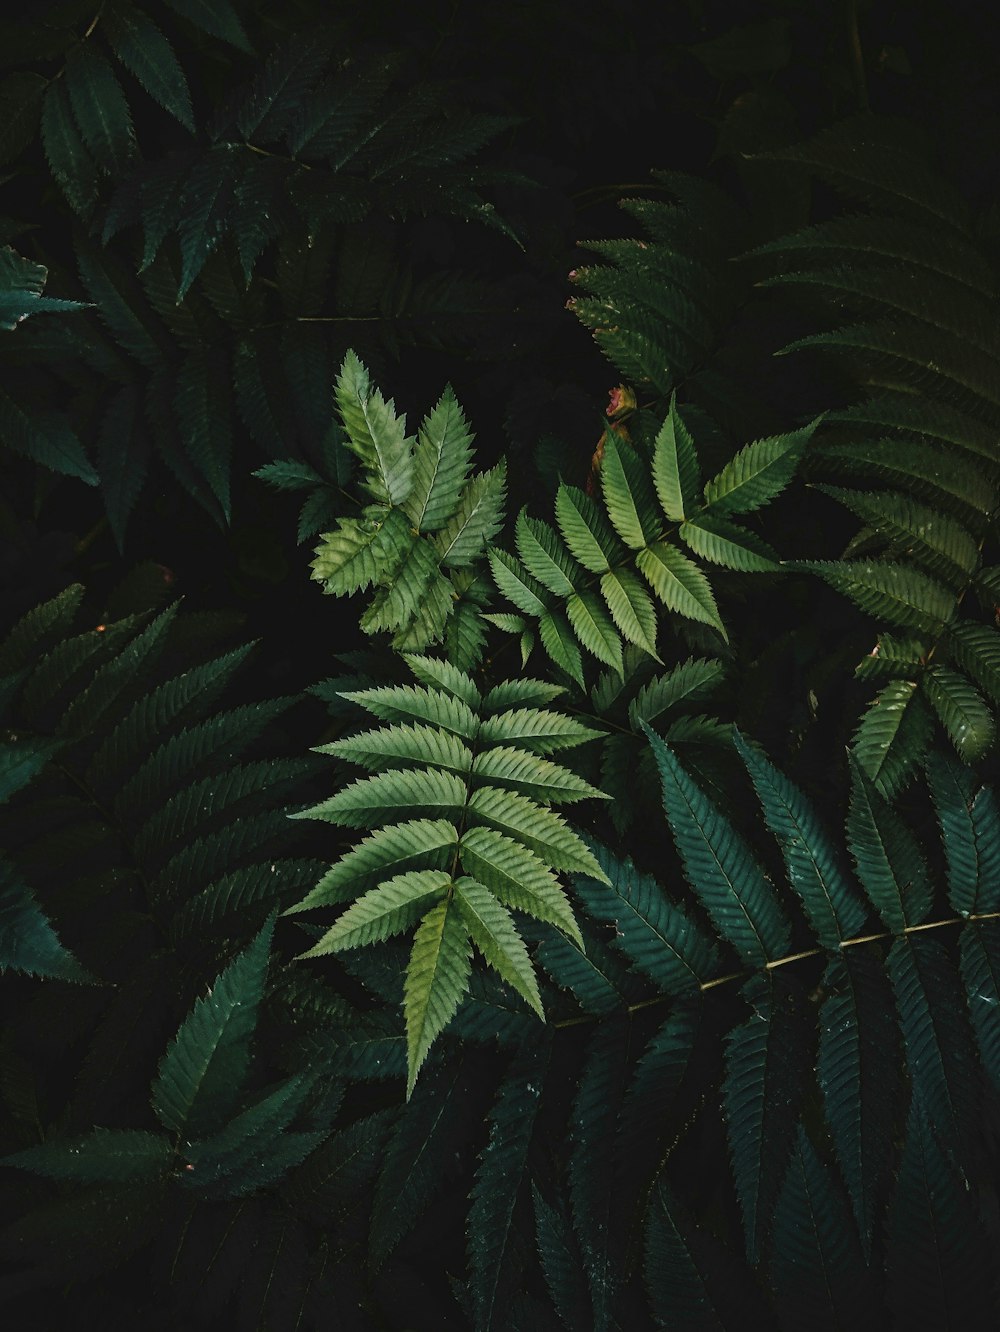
(719, 865)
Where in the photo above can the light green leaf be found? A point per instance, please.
(759, 472)
(389, 909)
(715, 538)
(559, 642)
(545, 557)
(492, 931)
(361, 551)
(516, 584)
(517, 877)
(586, 530)
(375, 433)
(391, 795)
(540, 829)
(631, 608)
(594, 628)
(476, 521)
(628, 494)
(394, 746)
(440, 465)
(675, 466)
(536, 729)
(419, 843)
(680, 584)
(531, 775)
(436, 979)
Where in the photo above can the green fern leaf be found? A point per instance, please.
(381, 912)
(692, 1280)
(532, 775)
(814, 868)
(431, 843)
(519, 694)
(243, 896)
(859, 1073)
(904, 596)
(980, 960)
(891, 868)
(69, 160)
(628, 495)
(938, 1042)
(685, 683)
(951, 482)
(362, 552)
(536, 729)
(46, 437)
(591, 1166)
(680, 584)
(961, 711)
(559, 642)
(409, 1177)
(545, 557)
(714, 538)
(516, 584)
(938, 1269)
(204, 210)
(202, 1072)
(375, 433)
(100, 109)
(976, 648)
(970, 832)
(476, 521)
(251, 1135)
(145, 52)
(719, 866)
(586, 530)
(594, 628)
(675, 467)
(28, 942)
(22, 760)
(105, 1154)
(631, 608)
(500, 1175)
(436, 979)
(492, 931)
(561, 1263)
(763, 1073)
(817, 1263)
(21, 285)
(651, 930)
(438, 674)
(893, 736)
(395, 746)
(391, 795)
(517, 877)
(405, 703)
(39, 630)
(540, 829)
(440, 465)
(759, 472)
(943, 546)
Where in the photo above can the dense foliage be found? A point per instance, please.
(597, 924)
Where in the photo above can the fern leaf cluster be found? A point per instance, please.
(417, 543)
(473, 768)
(589, 583)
